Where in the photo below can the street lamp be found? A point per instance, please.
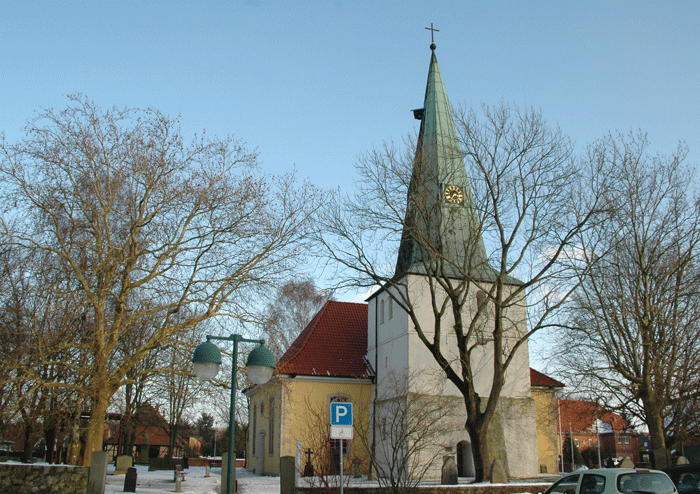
(260, 365)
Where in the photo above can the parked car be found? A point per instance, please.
(686, 478)
(614, 481)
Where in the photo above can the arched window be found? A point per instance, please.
(271, 428)
(391, 308)
(481, 299)
(255, 426)
(381, 311)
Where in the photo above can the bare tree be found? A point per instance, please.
(324, 452)
(635, 316)
(295, 304)
(476, 257)
(180, 390)
(144, 226)
(412, 426)
(30, 315)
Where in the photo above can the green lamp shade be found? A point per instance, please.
(260, 365)
(207, 361)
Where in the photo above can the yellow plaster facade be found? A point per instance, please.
(546, 418)
(297, 409)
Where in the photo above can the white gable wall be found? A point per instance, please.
(401, 355)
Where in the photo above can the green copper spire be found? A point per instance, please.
(442, 234)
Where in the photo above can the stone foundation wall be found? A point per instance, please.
(47, 479)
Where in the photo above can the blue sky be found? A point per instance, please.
(313, 84)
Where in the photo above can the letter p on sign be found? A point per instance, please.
(341, 414)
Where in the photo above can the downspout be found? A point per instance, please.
(560, 454)
(376, 386)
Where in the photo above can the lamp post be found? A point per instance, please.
(260, 365)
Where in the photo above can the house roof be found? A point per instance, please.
(333, 344)
(542, 380)
(151, 428)
(580, 416)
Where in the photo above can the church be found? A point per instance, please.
(377, 355)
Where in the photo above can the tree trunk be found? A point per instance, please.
(173, 437)
(655, 425)
(73, 452)
(50, 435)
(480, 450)
(27, 453)
(95, 432)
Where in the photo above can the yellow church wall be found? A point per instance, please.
(302, 414)
(546, 417)
(264, 408)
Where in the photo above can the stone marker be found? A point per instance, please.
(178, 481)
(662, 459)
(123, 463)
(498, 473)
(682, 460)
(449, 471)
(130, 480)
(207, 472)
(627, 463)
(97, 475)
(287, 474)
(356, 464)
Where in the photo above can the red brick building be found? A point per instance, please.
(590, 425)
(151, 432)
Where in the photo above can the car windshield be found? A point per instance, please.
(645, 483)
(567, 485)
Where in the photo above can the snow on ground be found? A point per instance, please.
(161, 481)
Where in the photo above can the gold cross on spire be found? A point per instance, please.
(432, 32)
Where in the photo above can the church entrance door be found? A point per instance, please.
(260, 452)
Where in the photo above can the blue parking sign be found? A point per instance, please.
(341, 413)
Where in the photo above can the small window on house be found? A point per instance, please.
(482, 301)
(391, 308)
(381, 312)
(627, 439)
(576, 442)
(590, 443)
(619, 439)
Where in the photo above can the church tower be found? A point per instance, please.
(442, 247)
(442, 234)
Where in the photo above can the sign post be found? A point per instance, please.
(341, 428)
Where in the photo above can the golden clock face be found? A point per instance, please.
(454, 194)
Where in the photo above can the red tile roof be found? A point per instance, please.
(539, 379)
(581, 416)
(333, 344)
